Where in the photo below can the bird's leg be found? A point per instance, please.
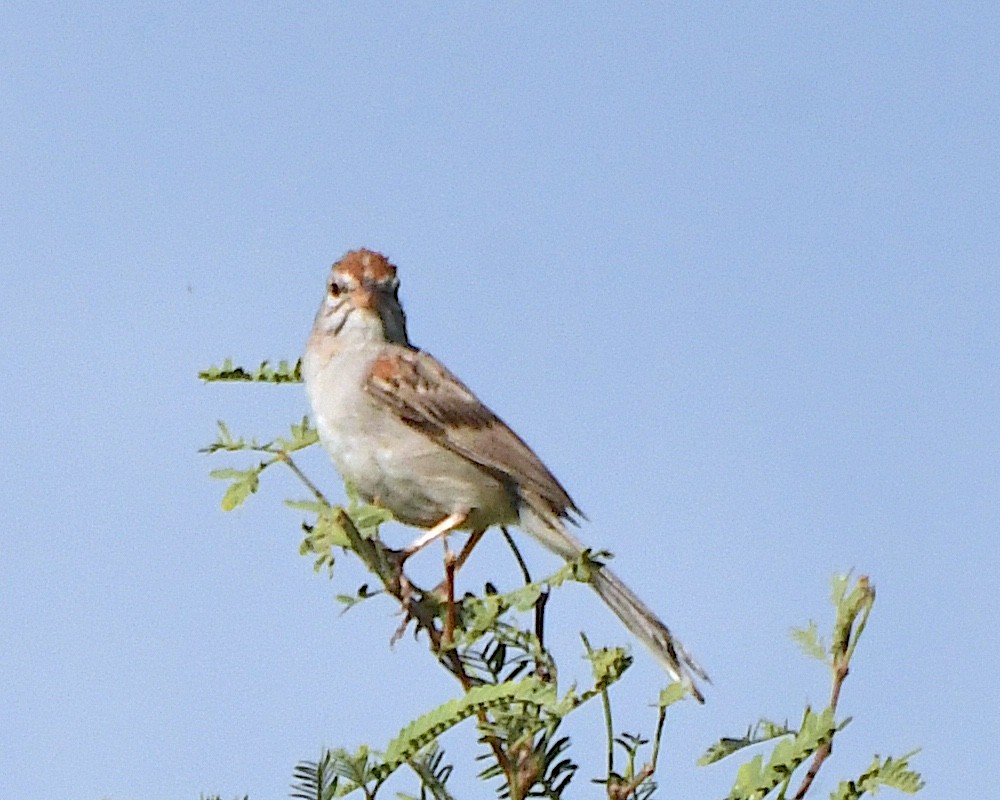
(443, 528)
(474, 538)
(449, 582)
(452, 564)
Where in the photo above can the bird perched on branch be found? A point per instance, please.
(409, 435)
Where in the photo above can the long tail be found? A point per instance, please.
(636, 615)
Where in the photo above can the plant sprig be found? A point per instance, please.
(813, 740)
(509, 678)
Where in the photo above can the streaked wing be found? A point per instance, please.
(430, 399)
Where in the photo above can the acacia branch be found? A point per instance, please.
(846, 632)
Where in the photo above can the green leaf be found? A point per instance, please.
(755, 780)
(853, 610)
(315, 780)
(351, 600)
(244, 483)
(838, 588)
(428, 727)
(748, 777)
(589, 560)
(359, 769)
(313, 506)
(608, 665)
(303, 435)
(809, 642)
(557, 770)
(327, 532)
(764, 730)
(321, 537)
(671, 693)
(480, 614)
(895, 773)
(367, 518)
(433, 774)
(227, 474)
(265, 373)
(226, 441)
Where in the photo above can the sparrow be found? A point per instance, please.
(409, 436)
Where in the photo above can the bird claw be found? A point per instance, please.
(404, 593)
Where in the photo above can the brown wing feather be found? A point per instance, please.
(433, 401)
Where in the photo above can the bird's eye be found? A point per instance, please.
(335, 290)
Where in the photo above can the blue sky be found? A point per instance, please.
(732, 269)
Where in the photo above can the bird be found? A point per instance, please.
(410, 437)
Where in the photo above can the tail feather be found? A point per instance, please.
(634, 614)
(649, 630)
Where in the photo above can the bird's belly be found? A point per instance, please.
(415, 478)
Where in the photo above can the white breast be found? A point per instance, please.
(389, 462)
